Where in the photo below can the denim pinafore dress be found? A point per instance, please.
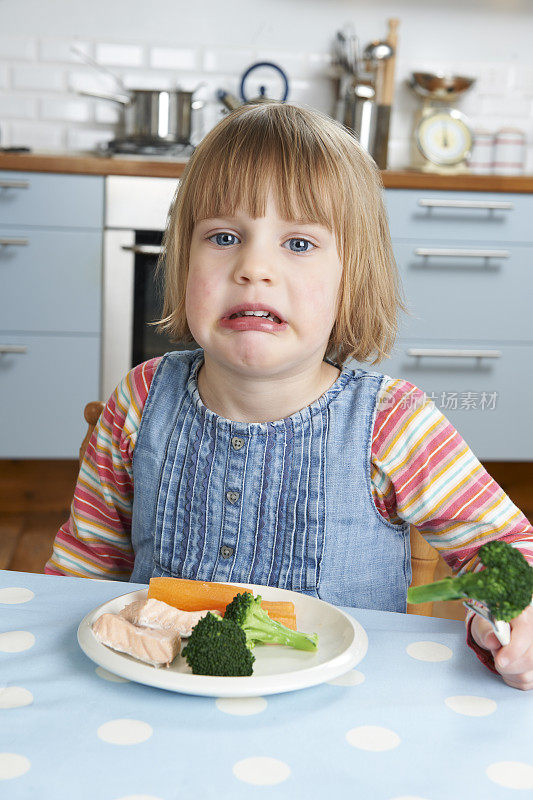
(285, 503)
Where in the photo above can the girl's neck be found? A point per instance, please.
(252, 399)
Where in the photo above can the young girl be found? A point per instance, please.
(261, 457)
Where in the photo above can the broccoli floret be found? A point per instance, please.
(505, 585)
(218, 646)
(246, 611)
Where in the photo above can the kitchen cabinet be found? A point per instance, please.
(465, 263)
(51, 234)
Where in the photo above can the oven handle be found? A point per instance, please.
(143, 249)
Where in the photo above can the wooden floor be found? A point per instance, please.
(35, 499)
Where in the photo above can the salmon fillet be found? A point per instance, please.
(156, 647)
(157, 614)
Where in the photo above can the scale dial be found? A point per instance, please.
(443, 137)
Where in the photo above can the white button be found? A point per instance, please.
(237, 442)
(232, 496)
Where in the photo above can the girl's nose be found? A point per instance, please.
(254, 266)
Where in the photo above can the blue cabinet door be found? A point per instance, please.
(43, 390)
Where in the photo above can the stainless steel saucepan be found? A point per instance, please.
(149, 115)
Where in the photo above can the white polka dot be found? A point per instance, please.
(351, 678)
(471, 705)
(511, 774)
(13, 766)
(372, 737)
(429, 651)
(109, 676)
(15, 594)
(139, 797)
(125, 731)
(16, 641)
(241, 706)
(261, 771)
(14, 697)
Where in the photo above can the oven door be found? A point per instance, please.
(133, 298)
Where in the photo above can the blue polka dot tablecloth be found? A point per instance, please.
(420, 718)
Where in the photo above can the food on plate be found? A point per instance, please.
(191, 595)
(218, 646)
(156, 647)
(246, 611)
(505, 585)
(156, 614)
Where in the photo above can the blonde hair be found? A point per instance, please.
(319, 174)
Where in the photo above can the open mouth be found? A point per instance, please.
(271, 317)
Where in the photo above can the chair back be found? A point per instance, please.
(424, 558)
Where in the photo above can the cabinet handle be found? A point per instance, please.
(143, 249)
(442, 251)
(11, 184)
(13, 242)
(490, 205)
(13, 348)
(429, 353)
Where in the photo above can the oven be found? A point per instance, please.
(136, 211)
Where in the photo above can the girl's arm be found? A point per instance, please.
(423, 472)
(95, 541)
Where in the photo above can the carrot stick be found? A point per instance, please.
(279, 607)
(192, 595)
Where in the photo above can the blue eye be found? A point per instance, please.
(222, 238)
(301, 242)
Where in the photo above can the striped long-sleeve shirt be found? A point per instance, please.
(422, 472)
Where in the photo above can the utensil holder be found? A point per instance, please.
(369, 122)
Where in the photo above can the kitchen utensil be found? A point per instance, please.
(377, 53)
(152, 116)
(231, 102)
(442, 137)
(390, 64)
(501, 629)
(99, 67)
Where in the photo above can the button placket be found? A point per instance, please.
(233, 497)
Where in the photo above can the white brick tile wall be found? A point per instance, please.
(120, 55)
(4, 76)
(227, 60)
(64, 109)
(38, 135)
(38, 77)
(60, 50)
(173, 58)
(87, 139)
(18, 48)
(17, 106)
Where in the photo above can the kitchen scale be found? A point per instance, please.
(442, 137)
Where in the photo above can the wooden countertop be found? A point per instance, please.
(90, 164)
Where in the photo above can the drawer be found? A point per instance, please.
(50, 200)
(486, 399)
(43, 392)
(415, 213)
(472, 292)
(50, 280)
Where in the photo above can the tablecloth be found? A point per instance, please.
(419, 718)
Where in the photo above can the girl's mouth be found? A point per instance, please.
(251, 323)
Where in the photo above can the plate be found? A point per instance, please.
(342, 643)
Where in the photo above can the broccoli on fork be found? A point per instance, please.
(218, 646)
(246, 611)
(505, 585)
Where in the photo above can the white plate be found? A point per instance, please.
(342, 643)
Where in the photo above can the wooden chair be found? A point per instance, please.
(424, 558)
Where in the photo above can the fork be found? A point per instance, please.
(501, 629)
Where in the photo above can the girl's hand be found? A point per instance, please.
(514, 662)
